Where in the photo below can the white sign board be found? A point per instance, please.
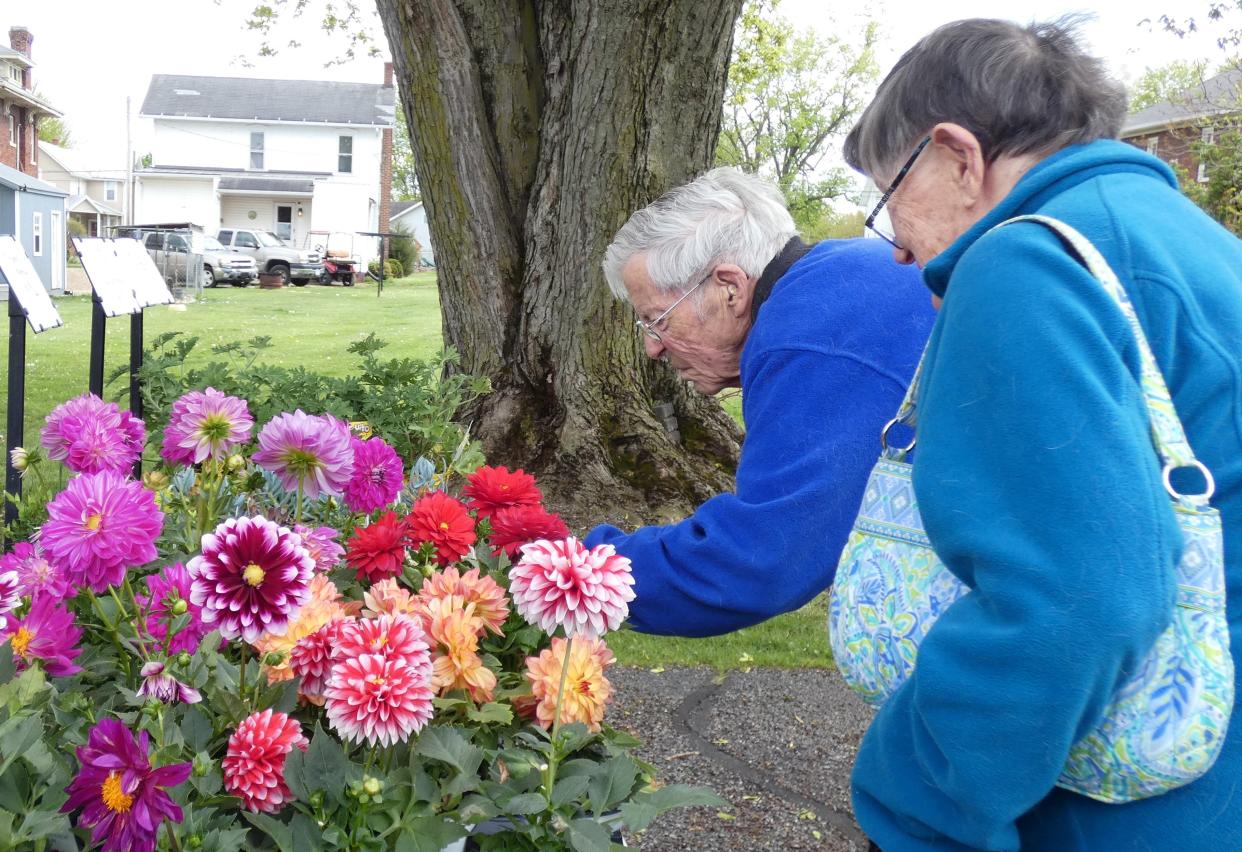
(109, 277)
(145, 279)
(25, 285)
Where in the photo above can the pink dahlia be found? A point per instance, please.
(398, 637)
(491, 489)
(313, 656)
(491, 606)
(205, 424)
(377, 477)
(251, 577)
(122, 798)
(99, 526)
(443, 521)
(320, 543)
(562, 584)
(35, 574)
(519, 525)
(378, 699)
(10, 595)
(90, 435)
(312, 451)
(254, 767)
(387, 597)
(48, 636)
(159, 608)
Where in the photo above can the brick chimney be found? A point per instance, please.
(387, 75)
(20, 40)
(385, 188)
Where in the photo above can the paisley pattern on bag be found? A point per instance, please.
(1165, 726)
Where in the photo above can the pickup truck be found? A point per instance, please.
(170, 249)
(273, 256)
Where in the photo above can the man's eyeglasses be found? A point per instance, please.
(879, 222)
(651, 328)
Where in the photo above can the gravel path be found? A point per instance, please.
(777, 744)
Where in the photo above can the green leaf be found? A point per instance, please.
(476, 809)
(39, 824)
(428, 834)
(494, 712)
(569, 790)
(683, 796)
(323, 766)
(449, 745)
(526, 803)
(16, 736)
(7, 666)
(278, 831)
(611, 783)
(196, 729)
(307, 836)
(638, 815)
(587, 835)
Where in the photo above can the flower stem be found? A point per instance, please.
(111, 628)
(241, 677)
(549, 778)
(300, 488)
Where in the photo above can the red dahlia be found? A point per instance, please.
(519, 525)
(444, 522)
(491, 489)
(377, 550)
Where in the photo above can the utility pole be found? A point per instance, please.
(129, 169)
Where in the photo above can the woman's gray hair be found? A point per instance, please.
(1019, 90)
(723, 216)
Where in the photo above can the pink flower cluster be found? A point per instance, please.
(90, 436)
(205, 424)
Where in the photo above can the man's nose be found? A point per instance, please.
(654, 348)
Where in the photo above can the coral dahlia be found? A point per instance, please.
(562, 584)
(90, 435)
(205, 425)
(491, 489)
(491, 606)
(457, 664)
(519, 525)
(99, 526)
(254, 767)
(122, 798)
(47, 635)
(443, 521)
(587, 691)
(387, 597)
(377, 478)
(311, 451)
(251, 577)
(377, 699)
(377, 551)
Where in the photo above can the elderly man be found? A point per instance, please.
(822, 340)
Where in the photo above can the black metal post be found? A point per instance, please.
(99, 324)
(16, 431)
(380, 291)
(135, 383)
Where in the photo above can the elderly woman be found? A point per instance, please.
(1035, 471)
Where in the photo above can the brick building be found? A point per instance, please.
(1169, 130)
(20, 108)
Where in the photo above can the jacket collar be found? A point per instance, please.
(774, 271)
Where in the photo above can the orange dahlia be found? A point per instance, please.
(490, 604)
(456, 662)
(587, 691)
(388, 597)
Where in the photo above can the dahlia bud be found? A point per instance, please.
(316, 799)
(274, 658)
(20, 458)
(179, 607)
(183, 659)
(155, 480)
(195, 842)
(236, 462)
(372, 786)
(202, 765)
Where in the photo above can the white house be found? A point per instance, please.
(411, 217)
(310, 161)
(96, 198)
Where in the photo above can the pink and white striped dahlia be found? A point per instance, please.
(313, 656)
(100, 525)
(10, 595)
(254, 767)
(90, 435)
(377, 478)
(562, 584)
(397, 637)
(311, 450)
(205, 424)
(378, 699)
(251, 577)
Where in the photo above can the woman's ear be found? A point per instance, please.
(963, 153)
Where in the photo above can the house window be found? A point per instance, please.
(1206, 137)
(36, 233)
(1153, 146)
(345, 155)
(109, 190)
(13, 126)
(256, 150)
(16, 73)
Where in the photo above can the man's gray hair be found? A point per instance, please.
(1019, 90)
(723, 216)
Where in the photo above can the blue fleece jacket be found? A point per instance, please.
(824, 367)
(1040, 489)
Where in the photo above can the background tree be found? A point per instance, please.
(790, 96)
(404, 172)
(1170, 82)
(1221, 195)
(53, 130)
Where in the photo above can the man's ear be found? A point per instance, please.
(962, 153)
(733, 287)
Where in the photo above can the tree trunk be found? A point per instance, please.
(538, 126)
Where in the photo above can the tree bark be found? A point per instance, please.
(538, 126)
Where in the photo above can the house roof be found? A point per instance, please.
(70, 160)
(23, 182)
(11, 91)
(10, 55)
(250, 99)
(288, 186)
(1217, 95)
(213, 171)
(399, 208)
(86, 204)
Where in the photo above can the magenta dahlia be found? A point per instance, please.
(251, 577)
(122, 798)
(48, 636)
(205, 424)
(166, 591)
(90, 435)
(35, 574)
(562, 584)
(100, 525)
(377, 478)
(254, 767)
(312, 451)
(378, 699)
(10, 595)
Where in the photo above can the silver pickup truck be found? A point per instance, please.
(173, 248)
(296, 265)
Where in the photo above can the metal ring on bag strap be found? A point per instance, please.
(1209, 487)
(884, 437)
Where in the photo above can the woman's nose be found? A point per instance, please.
(903, 255)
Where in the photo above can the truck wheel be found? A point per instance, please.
(281, 269)
(209, 277)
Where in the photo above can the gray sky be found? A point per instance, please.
(89, 55)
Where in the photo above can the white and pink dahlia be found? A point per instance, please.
(310, 451)
(254, 767)
(313, 656)
(397, 637)
(205, 424)
(378, 699)
(562, 584)
(251, 577)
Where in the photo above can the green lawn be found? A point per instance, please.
(312, 326)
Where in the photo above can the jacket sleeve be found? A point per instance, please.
(813, 421)
(1040, 488)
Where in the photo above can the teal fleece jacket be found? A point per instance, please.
(1040, 489)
